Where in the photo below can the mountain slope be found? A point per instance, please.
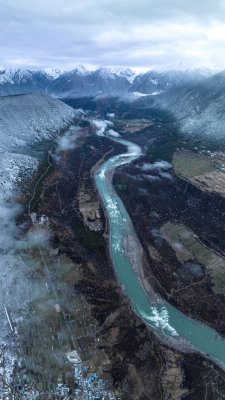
(81, 82)
(156, 81)
(199, 108)
(23, 81)
(26, 121)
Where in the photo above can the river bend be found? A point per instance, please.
(174, 324)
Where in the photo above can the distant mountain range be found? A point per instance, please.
(78, 83)
(23, 81)
(195, 98)
(103, 81)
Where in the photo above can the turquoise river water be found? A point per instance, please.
(161, 315)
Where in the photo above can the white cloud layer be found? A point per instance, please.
(138, 33)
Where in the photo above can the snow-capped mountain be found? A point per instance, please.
(199, 108)
(115, 81)
(161, 81)
(22, 81)
(83, 81)
(75, 83)
(53, 73)
(128, 73)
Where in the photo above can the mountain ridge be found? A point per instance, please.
(80, 81)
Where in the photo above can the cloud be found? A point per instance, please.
(158, 165)
(111, 115)
(156, 233)
(166, 175)
(142, 33)
(113, 133)
(69, 140)
(8, 213)
(38, 237)
(151, 177)
(101, 125)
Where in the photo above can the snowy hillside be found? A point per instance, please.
(199, 108)
(26, 120)
(162, 81)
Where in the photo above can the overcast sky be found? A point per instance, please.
(133, 33)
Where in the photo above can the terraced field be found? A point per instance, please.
(188, 247)
(206, 171)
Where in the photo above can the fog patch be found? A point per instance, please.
(68, 141)
(110, 115)
(134, 177)
(35, 238)
(9, 230)
(166, 175)
(18, 284)
(101, 125)
(16, 291)
(151, 177)
(178, 246)
(158, 165)
(113, 133)
(162, 165)
(159, 239)
(192, 270)
(156, 233)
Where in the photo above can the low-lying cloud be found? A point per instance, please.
(151, 177)
(158, 165)
(101, 124)
(69, 140)
(113, 133)
(8, 214)
(166, 175)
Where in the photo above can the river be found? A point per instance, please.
(181, 331)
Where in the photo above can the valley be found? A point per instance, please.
(112, 200)
(114, 251)
(134, 360)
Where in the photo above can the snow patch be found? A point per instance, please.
(14, 170)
